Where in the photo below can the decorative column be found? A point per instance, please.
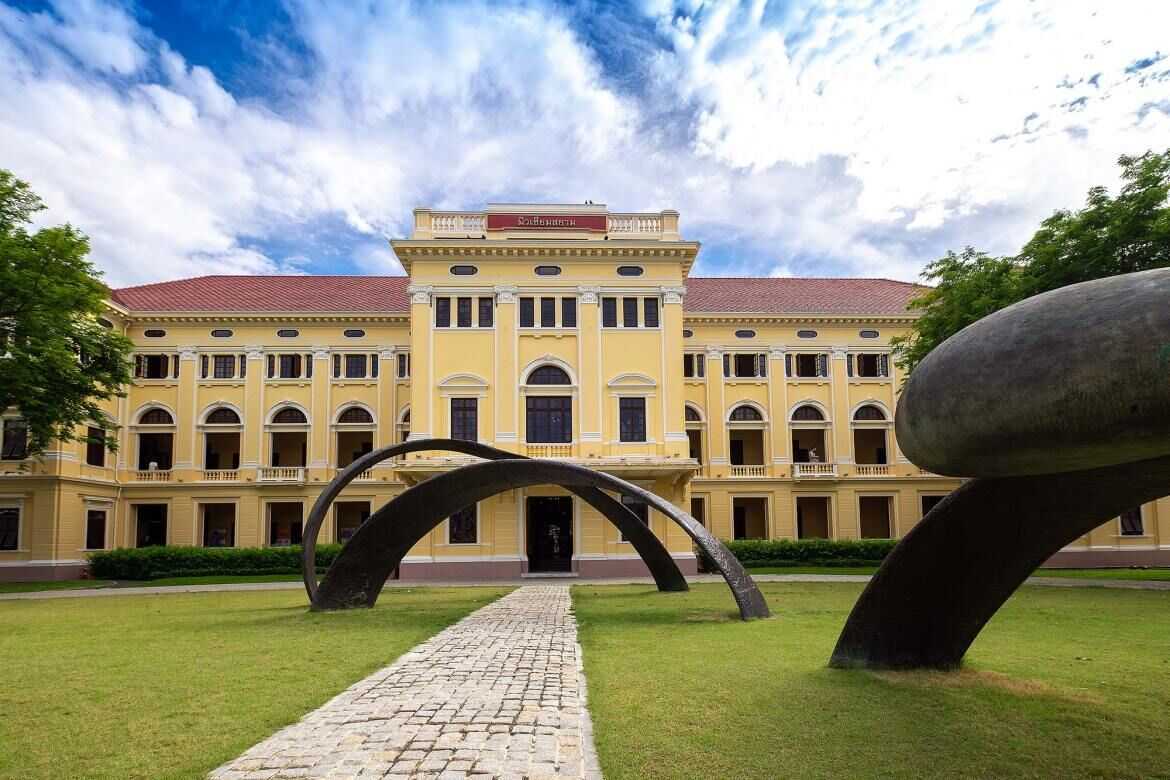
(507, 370)
(421, 382)
(716, 412)
(252, 437)
(778, 410)
(320, 455)
(387, 430)
(591, 386)
(673, 425)
(842, 452)
(185, 437)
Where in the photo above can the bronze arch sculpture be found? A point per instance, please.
(1057, 443)
(662, 566)
(356, 578)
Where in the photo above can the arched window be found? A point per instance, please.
(548, 375)
(223, 416)
(692, 415)
(404, 426)
(290, 416)
(156, 416)
(869, 413)
(745, 413)
(355, 415)
(807, 413)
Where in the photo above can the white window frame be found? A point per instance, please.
(17, 503)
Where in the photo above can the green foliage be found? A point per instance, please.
(810, 552)
(57, 363)
(1109, 236)
(152, 563)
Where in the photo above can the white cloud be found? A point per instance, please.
(865, 140)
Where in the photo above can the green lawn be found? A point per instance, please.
(171, 686)
(1088, 574)
(1062, 683)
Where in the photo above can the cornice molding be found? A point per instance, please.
(281, 317)
(795, 319)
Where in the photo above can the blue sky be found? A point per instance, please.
(857, 138)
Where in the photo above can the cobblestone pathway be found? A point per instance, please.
(497, 695)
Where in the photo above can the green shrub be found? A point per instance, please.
(152, 563)
(811, 552)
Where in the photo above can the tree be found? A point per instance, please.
(59, 360)
(1109, 236)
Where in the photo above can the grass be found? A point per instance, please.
(1062, 683)
(1152, 574)
(171, 686)
(31, 587)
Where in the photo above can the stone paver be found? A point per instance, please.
(498, 695)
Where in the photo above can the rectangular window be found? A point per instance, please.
(688, 366)
(639, 508)
(243, 366)
(15, 443)
(487, 311)
(374, 365)
(1131, 522)
(650, 312)
(223, 366)
(290, 366)
(463, 312)
(811, 365)
(403, 365)
(629, 312)
(95, 529)
(609, 312)
(872, 365)
(693, 365)
(95, 447)
(9, 528)
(442, 312)
(464, 419)
(527, 312)
(151, 366)
(568, 312)
(632, 413)
(355, 366)
(462, 527)
(549, 419)
(548, 312)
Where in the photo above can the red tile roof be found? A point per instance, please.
(375, 294)
(797, 295)
(387, 294)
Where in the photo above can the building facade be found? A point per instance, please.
(762, 406)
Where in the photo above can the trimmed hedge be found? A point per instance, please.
(811, 552)
(152, 563)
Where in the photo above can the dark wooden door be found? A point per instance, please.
(550, 534)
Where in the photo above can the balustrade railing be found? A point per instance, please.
(282, 473)
(635, 224)
(458, 223)
(548, 450)
(872, 470)
(152, 475)
(805, 470)
(220, 475)
(749, 470)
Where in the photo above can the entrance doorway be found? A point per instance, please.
(550, 534)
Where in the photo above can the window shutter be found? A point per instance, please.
(374, 365)
(884, 368)
(243, 366)
(727, 365)
(336, 366)
(174, 366)
(787, 364)
(139, 363)
(271, 366)
(762, 360)
(203, 366)
(700, 365)
(849, 364)
(822, 364)
(308, 366)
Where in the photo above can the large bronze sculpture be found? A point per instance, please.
(356, 578)
(1059, 408)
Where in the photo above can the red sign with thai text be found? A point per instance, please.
(593, 222)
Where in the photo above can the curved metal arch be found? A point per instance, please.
(357, 576)
(937, 589)
(656, 557)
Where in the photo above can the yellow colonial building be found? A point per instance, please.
(763, 406)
